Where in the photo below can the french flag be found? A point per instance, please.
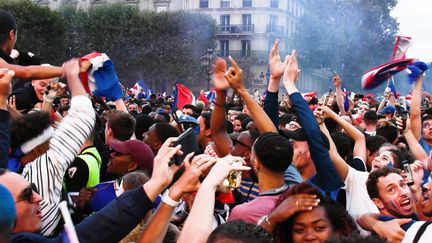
(101, 78)
(402, 44)
(182, 96)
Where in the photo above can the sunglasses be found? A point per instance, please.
(27, 194)
(115, 153)
(235, 142)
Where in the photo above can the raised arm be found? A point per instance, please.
(5, 89)
(415, 113)
(326, 177)
(234, 76)
(339, 94)
(197, 227)
(217, 125)
(341, 166)
(351, 131)
(33, 72)
(189, 182)
(277, 67)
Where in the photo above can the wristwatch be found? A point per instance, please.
(168, 200)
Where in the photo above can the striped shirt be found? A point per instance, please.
(47, 171)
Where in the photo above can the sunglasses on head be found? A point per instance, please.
(241, 143)
(27, 193)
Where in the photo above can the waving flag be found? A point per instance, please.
(402, 44)
(377, 75)
(211, 96)
(138, 86)
(182, 96)
(391, 86)
(101, 78)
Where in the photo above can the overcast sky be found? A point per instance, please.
(415, 20)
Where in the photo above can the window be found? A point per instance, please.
(272, 23)
(247, 3)
(247, 22)
(203, 4)
(224, 46)
(224, 23)
(225, 3)
(246, 48)
(274, 3)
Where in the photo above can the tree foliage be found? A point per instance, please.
(40, 30)
(348, 37)
(155, 47)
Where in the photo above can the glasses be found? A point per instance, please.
(115, 153)
(426, 125)
(235, 142)
(27, 194)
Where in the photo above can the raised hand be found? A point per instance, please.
(292, 71)
(6, 76)
(222, 168)
(189, 181)
(84, 196)
(219, 69)
(277, 67)
(336, 80)
(292, 205)
(162, 172)
(234, 76)
(71, 68)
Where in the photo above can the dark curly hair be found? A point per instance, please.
(342, 223)
(28, 126)
(239, 231)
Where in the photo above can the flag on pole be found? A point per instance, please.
(182, 96)
(101, 78)
(402, 44)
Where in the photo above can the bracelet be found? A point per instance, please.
(264, 218)
(168, 200)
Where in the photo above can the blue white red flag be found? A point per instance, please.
(377, 75)
(182, 96)
(101, 78)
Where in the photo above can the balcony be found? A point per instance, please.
(236, 29)
(275, 29)
(253, 56)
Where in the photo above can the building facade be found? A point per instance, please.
(247, 30)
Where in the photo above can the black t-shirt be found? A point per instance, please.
(77, 175)
(25, 98)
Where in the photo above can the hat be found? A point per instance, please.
(300, 135)
(186, 118)
(139, 152)
(7, 209)
(388, 110)
(7, 22)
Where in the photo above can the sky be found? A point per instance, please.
(415, 21)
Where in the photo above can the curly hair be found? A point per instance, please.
(239, 231)
(342, 223)
(28, 126)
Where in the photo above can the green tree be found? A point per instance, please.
(348, 37)
(40, 30)
(156, 47)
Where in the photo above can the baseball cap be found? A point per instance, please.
(139, 152)
(388, 110)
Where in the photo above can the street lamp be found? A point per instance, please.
(206, 65)
(261, 76)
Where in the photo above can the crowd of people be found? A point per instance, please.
(290, 167)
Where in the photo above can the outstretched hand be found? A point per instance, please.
(6, 76)
(219, 69)
(292, 71)
(234, 76)
(222, 168)
(277, 67)
(336, 80)
(162, 172)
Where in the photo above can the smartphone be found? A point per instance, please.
(188, 143)
(407, 170)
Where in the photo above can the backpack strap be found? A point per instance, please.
(420, 231)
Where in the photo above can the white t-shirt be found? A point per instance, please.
(412, 231)
(358, 201)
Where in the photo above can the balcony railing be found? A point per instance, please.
(245, 55)
(276, 29)
(236, 28)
